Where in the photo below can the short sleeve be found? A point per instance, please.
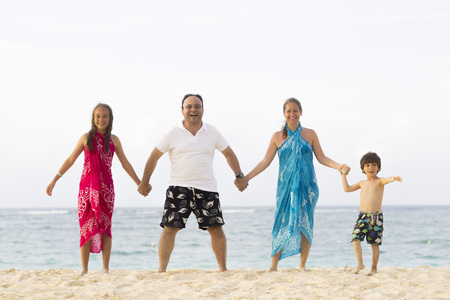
(221, 143)
(164, 143)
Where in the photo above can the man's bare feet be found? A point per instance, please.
(359, 268)
(372, 272)
(83, 272)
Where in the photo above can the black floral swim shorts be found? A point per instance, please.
(181, 201)
(369, 225)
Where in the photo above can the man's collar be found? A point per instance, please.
(203, 128)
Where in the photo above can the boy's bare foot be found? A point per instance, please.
(359, 268)
(105, 270)
(372, 272)
(83, 272)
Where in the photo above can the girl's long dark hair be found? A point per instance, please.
(290, 100)
(90, 141)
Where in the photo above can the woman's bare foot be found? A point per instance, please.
(105, 270)
(83, 272)
(372, 272)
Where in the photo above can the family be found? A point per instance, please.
(191, 145)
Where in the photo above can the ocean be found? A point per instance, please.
(49, 239)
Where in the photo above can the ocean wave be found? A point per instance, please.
(46, 212)
(240, 211)
(336, 210)
(137, 212)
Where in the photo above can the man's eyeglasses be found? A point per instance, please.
(196, 106)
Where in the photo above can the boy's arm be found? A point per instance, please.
(387, 180)
(349, 188)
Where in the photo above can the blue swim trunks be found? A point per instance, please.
(370, 225)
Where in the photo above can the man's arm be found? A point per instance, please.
(145, 187)
(233, 162)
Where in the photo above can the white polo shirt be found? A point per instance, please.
(192, 156)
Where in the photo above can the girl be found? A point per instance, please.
(96, 196)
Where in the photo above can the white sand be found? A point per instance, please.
(331, 283)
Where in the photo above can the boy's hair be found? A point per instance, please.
(370, 157)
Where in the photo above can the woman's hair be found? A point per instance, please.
(90, 141)
(290, 100)
(370, 157)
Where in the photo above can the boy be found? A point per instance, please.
(370, 221)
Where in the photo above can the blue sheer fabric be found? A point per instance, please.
(297, 195)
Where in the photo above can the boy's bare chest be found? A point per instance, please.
(372, 187)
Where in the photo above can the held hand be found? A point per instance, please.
(144, 189)
(344, 169)
(241, 183)
(236, 184)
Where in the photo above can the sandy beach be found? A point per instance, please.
(318, 283)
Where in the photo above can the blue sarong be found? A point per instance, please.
(297, 195)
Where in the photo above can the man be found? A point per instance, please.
(192, 186)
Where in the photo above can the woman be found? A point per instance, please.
(96, 195)
(297, 190)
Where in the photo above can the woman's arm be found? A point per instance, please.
(320, 156)
(268, 158)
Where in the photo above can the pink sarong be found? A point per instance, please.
(96, 196)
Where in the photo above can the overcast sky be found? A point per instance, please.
(371, 76)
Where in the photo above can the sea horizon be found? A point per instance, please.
(48, 238)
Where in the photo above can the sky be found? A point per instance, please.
(371, 76)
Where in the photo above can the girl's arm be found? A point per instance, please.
(320, 156)
(123, 160)
(268, 158)
(68, 162)
(145, 187)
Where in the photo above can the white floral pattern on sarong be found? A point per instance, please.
(297, 195)
(96, 195)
